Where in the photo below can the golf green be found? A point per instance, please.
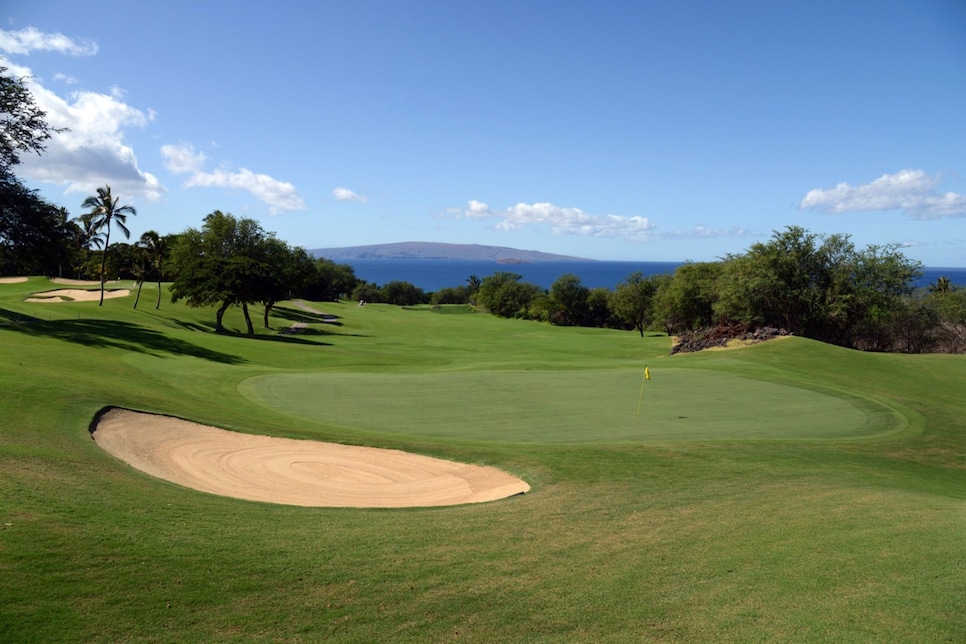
(573, 406)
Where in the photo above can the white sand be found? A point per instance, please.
(77, 295)
(12, 280)
(70, 282)
(294, 472)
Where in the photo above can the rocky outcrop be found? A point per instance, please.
(724, 335)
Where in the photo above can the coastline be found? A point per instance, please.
(434, 274)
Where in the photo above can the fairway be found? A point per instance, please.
(787, 491)
(598, 406)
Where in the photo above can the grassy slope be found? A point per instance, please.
(708, 540)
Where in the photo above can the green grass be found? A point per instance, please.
(586, 406)
(789, 491)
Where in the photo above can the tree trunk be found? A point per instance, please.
(248, 320)
(218, 315)
(268, 310)
(138, 298)
(107, 244)
(160, 275)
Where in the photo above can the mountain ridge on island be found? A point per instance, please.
(437, 250)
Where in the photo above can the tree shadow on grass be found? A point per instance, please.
(120, 335)
(11, 317)
(286, 333)
(193, 326)
(297, 315)
(290, 338)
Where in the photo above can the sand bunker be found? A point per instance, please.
(70, 282)
(294, 472)
(12, 280)
(76, 295)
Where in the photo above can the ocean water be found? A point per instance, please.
(434, 274)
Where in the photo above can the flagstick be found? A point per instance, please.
(641, 397)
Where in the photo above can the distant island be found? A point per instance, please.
(435, 250)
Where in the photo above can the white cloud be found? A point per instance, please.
(911, 191)
(344, 194)
(563, 221)
(280, 196)
(182, 158)
(65, 78)
(92, 150)
(32, 39)
(704, 232)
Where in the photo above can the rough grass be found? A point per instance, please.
(856, 536)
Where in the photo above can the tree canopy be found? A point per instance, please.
(632, 301)
(821, 287)
(220, 264)
(234, 262)
(35, 235)
(23, 125)
(504, 294)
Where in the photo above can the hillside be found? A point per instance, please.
(434, 250)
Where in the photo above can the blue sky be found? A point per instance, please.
(653, 131)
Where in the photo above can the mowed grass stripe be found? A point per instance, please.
(594, 406)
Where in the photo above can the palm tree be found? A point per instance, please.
(943, 285)
(104, 212)
(139, 268)
(157, 250)
(88, 237)
(473, 282)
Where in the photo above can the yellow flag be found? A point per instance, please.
(647, 376)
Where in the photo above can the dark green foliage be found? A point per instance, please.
(366, 292)
(23, 126)
(396, 292)
(473, 284)
(156, 250)
(503, 294)
(815, 286)
(451, 295)
(948, 304)
(599, 312)
(568, 304)
(333, 282)
(87, 238)
(224, 263)
(632, 300)
(291, 271)
(686, 301)
(36, 237)
(820, 287)
(403, 294)
(118, 260)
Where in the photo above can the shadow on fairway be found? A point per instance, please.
(193, 326)
(121, 335)
(288, 338)
(296, 315)
(7, 316)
